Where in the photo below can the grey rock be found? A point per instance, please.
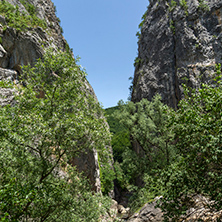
(7, 94)
(2, 51)
(7, 74)
(88, 163)
(176, 46)
(149, 212)
(115, 213)
(201, 208)
(113, 209)
(2, 20)
(24, 48)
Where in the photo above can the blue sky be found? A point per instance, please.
(103, 34)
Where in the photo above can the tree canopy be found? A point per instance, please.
(53, 119)
(178, 153)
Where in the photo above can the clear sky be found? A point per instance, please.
(103, 34)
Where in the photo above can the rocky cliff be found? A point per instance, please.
(22, 45)
(27, 28)
(180, 42)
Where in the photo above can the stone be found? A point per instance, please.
(7, 94)
(112, 214)
(2, 51)
(113, 209)
(87, 162)
(176, 46)
(149, 212)
(25, 47)
(201, 209)
(2, 20)
(7, 74)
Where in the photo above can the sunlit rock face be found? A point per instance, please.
(7, 94)
(21, 48)
(18, 48)
(179, 43)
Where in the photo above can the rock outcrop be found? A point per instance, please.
(116, 213)
(180, 42)
(149, 212)
(24, 47)
(199, 209)
(21, 45)
(7, 94)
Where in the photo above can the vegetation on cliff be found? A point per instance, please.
(21, 21)
(53, 119)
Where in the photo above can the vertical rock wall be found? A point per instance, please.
(22, 48)
(180, 42)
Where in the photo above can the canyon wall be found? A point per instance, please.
(22, 43)
(180, 42)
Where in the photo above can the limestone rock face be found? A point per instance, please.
(88, 163)
(149, 212)
(7, 94)
(18, 48)
(22, 48)
(179, 43)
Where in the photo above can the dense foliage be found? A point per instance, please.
(53, 120)
(197, 126)
(115, 126)
(157, 151)
(120, 134)
(179, 152)
(147, 124)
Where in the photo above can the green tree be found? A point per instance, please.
(147, 122)
(120, 134)
(53, 119)
(197, 126)
(148, 125)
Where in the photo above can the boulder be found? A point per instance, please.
(149, 212)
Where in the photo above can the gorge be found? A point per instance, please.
(56, 158)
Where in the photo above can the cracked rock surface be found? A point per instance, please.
(178, 44)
